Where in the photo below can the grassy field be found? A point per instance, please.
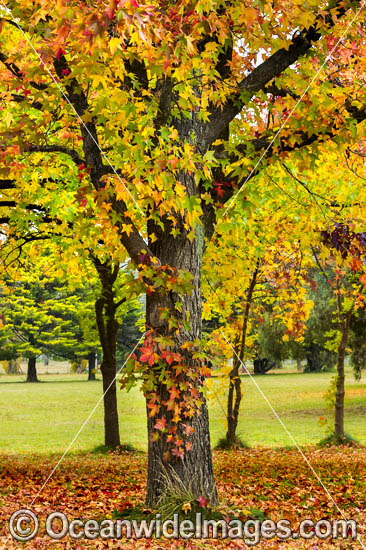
(44, 417)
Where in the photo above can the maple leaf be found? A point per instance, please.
(186, 507)
(161, 424)
(202, 501)
(147, 356)
(166, 456)
(188, 429)
(59, 52)
(178, 451)
(154, 409)
(174, 393)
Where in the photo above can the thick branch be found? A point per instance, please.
(280, 92)
(22, 99)
(14, 69)
(281, 144)
(138, 69)
(56, 149)
(79, 101)
(273, 67)
(7, 184)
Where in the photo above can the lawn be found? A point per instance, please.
(38, 422)
(44, 417)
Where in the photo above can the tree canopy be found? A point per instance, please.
(130, 131)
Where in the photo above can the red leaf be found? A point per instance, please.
(60, 52)
(161, 424)
(147, 356)
(203, 502)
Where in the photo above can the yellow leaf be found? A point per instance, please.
(186, 507)
(114, 44)
(127, 228)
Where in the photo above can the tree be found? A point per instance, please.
(357, 343)
(314, 347)
(184, 105)
(257, 294)
(34, 321)
(348, 278)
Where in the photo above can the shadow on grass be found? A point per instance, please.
(333, 440)
(4, 383)
(224, 445)
(124, 448)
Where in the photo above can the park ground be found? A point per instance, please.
(270, 478)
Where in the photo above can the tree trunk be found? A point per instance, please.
(235, 395)
(261, 365)
(233, 402)
(13, 366)
(339, 402)
(92, 360)
(111, 423)
(192, 469)
(105, 308)
(32, 371)
(313, 363)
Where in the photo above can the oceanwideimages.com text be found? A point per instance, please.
(24, 525)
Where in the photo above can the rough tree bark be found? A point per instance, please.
(235, 395)
(195, 469)
(32, 370)
(105, 308)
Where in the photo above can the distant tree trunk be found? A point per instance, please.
(313, 361)
(233, 401)
(235, 395)
(298, 365)
(339, 402)
(32, 371)
(262, 365)
(92, 361)
(105, 308)
(13, 367)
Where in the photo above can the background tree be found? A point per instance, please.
(185, 106)
(35, 321)
(320, 323)
(257, 294)
(357, 343)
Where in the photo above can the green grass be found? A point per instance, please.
(44, 417)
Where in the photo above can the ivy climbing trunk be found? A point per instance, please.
(32, 370)
(193, 470)
(339, 400)
(105, 308)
